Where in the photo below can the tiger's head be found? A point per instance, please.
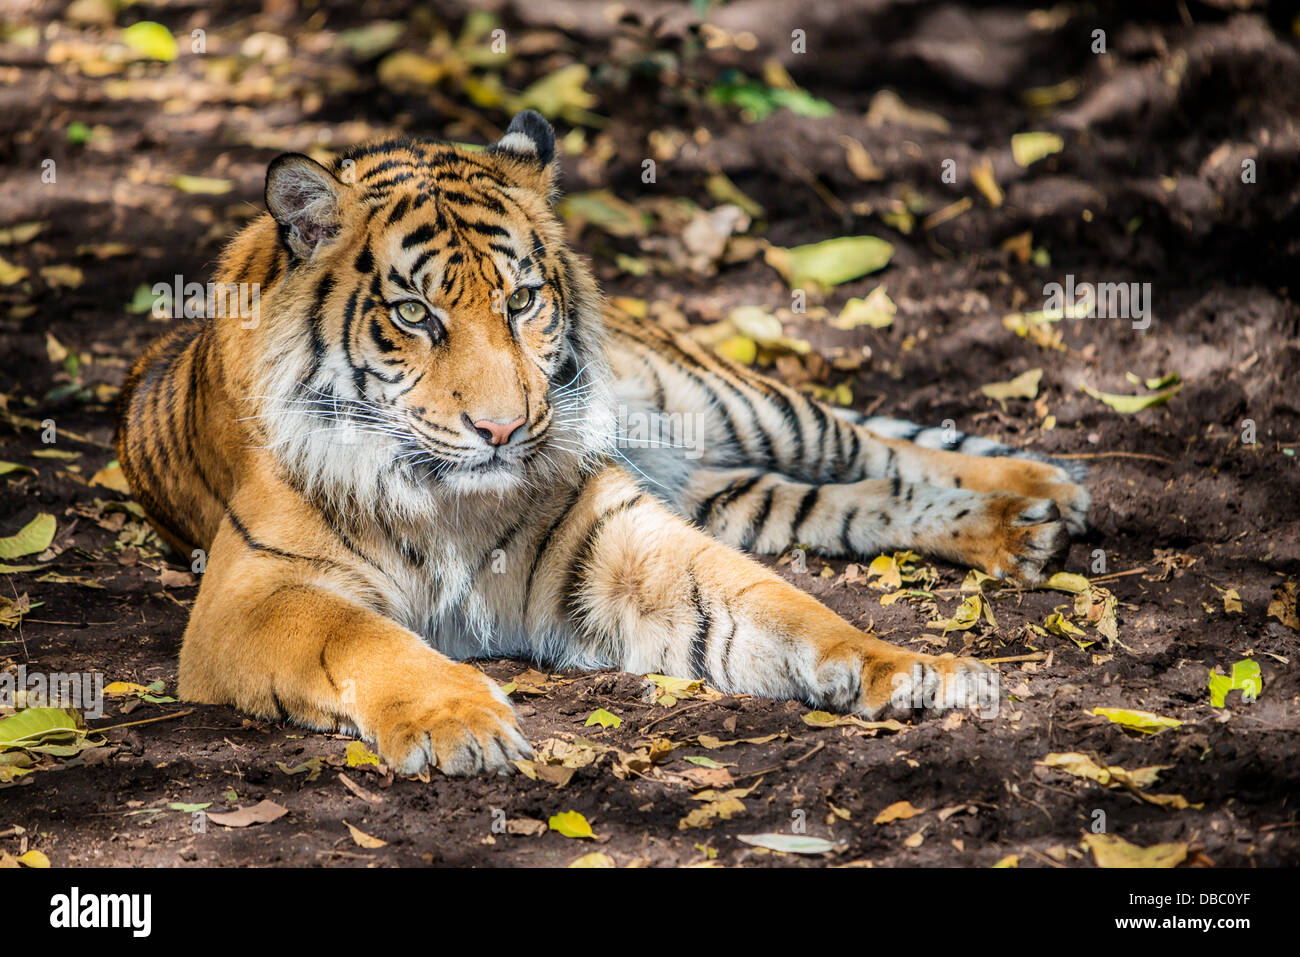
(430, 330)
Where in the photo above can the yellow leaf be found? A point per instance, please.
(1023, 386)
(1068, 582)
(571, 824)
(595, 859)
(406, 71)
(62, 276)
(740, 349)
(1011, 860)
(362, 839)
(151, 40)
(358, 754)
(1109, 850)
(981, 174)
(11, 273)
(898, 811)
(202, 184)
(110, 476)
(1143, 721)
(122, 689)
(877, 310)
(35, 859)
(606, 719)
(1028, 148)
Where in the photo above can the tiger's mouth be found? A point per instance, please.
(497, 466)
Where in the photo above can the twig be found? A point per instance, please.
(1114, 455)
(783, 767)
(1036, 656)
(129, 724)
(672, 714)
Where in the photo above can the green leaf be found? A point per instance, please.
(189, 808)
(35, 726)
(703, 761)
(1246, 678)
(1128, 404)
(606, 719)
(35, 537)
(78, 133)
(830, 262)
(788, 843)
(570, 824)
(1028, 148)
(142, 300)
(151, 40)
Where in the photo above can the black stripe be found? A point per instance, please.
(758, 523)
(704, 624)
(806, 505)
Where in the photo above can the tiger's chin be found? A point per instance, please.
(493, 478)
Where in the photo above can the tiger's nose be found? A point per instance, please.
(492, 432)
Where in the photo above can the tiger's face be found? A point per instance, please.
(441, 324)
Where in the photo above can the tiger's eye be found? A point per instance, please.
(412, 312)
(520, 299)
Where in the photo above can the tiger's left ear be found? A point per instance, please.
(305, 198)
(530, 142)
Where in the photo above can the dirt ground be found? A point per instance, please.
(1195, 525)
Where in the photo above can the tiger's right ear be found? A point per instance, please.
(304, 197)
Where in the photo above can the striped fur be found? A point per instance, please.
(418, 454)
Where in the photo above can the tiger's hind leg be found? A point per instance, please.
(1002, 533)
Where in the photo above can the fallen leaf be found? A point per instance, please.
(1028, 148)
(34, 537)
(264, 812)
(1246, 678)
(898, 811)
(152, 41)
(830, 262)
(571, 824)
(205, 185)
(1143, 721)
(362, 839)
(1023, 386)
(788, 843)
(1128, 404)
(594, 859)
(877, 310)
(1110, 850)
(605, 719)
(358, 754)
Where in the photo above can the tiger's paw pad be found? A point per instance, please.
(458, 733)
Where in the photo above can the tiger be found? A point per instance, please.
(412, 457)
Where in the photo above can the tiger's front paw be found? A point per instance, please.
(1019, 538)
(914, 684)
(876, 679)
(465, 726)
